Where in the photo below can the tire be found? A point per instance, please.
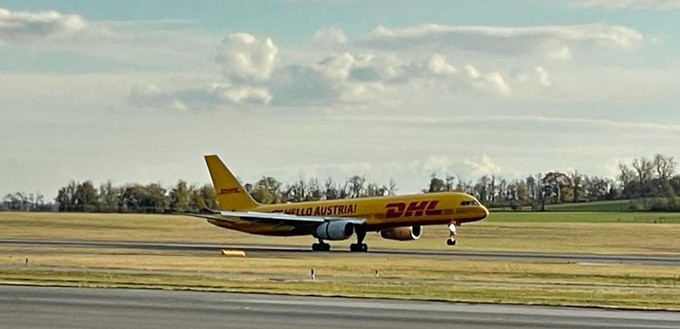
(355, 247)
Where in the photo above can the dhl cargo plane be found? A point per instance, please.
(394, 217)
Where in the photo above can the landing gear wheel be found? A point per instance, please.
(321, 247)
(358, 247)
(452, 234)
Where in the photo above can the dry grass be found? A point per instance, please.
(341, 266)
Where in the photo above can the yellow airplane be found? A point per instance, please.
(394, 217)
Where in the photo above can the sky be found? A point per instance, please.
(139, 91)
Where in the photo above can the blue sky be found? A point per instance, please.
(302, 17)
(138, 91)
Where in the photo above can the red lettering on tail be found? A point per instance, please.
(229, 190)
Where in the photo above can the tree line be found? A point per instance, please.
(154, 198)
(651, 184)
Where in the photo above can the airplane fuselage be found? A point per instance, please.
(380, 212)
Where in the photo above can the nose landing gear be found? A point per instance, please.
(452, 234)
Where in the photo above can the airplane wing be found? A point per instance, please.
(288, 218)
(272, 218)
(276, 221)
(276, 217)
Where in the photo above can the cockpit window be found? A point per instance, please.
(469, 203)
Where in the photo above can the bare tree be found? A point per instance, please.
(575, 181)
(643, 169)
(356, 186)
(180, 197)
(108, 197)
(664, 166)
(392, 187)
(436, 184)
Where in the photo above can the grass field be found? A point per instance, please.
(599, 206)
(594, 217)
(634, 286)
(595, 206)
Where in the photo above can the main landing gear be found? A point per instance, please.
(452, 234)
(321, 246)
(360, 246)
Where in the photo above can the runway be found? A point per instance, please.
(23, 307)
(452, 253)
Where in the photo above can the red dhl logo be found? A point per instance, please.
(229, 190)
(416, 208)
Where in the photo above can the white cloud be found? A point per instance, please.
(468, 78)
(337, 79)
(303, 85)
(103, 45)
(16, 26)
(354, 78)
(437, 164)
(247, 58)
(537, 75)
(495, 82)
(546, 41)
(438, 64)
(538, 120)
(330, 37)
(245, 94)
(205, 97)
(634, 4)
(389, 64)
(442, 165)
(542, 75)
(482, 166)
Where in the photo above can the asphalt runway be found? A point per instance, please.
(23, 307)
(451, 253)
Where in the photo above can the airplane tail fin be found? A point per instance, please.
(229, 193)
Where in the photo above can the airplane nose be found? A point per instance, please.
(486, 212)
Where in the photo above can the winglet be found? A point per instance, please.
(229, 193)
(202, 207)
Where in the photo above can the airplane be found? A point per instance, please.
(394, 217)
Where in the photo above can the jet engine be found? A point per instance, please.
(335, 230)
(404, 233)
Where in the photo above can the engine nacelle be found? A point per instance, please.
(404, 233)
(335, 230)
